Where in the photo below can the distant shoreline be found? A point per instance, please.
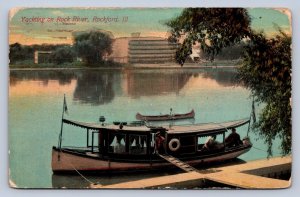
(213, 65)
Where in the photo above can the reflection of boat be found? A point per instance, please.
(131, 147)
(170, 116)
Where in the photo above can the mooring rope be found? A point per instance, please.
(264, 150)
(81, 174)
(259, 149)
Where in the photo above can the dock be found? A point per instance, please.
(250, 175)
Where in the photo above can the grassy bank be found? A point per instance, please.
(30, 64)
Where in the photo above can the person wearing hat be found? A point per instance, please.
(159, 143)
(233, 139)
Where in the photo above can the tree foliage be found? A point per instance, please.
(62, 55)
(213, 28)
(93, 46)
(19, 52)
(266, 68)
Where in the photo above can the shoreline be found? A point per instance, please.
(133, 67)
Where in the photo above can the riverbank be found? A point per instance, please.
(114, 65)
(68, 65)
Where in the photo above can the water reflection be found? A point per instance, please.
(98, 87)
(141, 83)
(222, 77)
(95, 88)
(64, 77)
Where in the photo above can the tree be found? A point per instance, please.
(266, 68)
(266, 71)
(15, 52)
(213, 28)
(62, 55)
(92, 46)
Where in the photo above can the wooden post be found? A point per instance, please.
(92, 142)
(224, 141)
(87, 137)
(127, 142)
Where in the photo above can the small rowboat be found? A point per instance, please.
(191, 114)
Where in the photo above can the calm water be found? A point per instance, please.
(36, 99)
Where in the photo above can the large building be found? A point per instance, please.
(144, 50)
(151, 51)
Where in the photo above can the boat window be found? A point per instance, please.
(152, 141)
(187, 144)
(117, 143)
(137, 144)
(210, 142)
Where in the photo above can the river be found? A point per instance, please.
(36, 100)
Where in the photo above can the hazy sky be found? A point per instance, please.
(44, 25)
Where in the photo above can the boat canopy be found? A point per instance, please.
(204, 128)
(207, 127)
(97, 126)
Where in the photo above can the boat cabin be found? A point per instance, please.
(126, 141)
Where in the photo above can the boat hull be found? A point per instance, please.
(189, 115)
(65, 161)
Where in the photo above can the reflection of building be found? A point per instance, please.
(148, 83)
(42, 57)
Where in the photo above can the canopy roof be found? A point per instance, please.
(207, 127)
(97, 126)
(197, 128)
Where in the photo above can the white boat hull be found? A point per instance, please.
(63, 161)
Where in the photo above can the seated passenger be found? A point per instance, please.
(210, 143)
(233, 139)
(119, 148)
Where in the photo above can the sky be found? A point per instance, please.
(56, 25)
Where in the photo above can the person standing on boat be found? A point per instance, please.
(233, 139)
(159, 143)
(171, 112)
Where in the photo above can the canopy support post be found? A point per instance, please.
(87, 137)
(92, 142)
(224, 141)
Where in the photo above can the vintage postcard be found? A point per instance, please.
(150, 98)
